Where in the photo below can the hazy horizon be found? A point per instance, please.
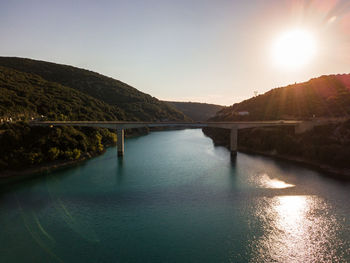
(201, 51)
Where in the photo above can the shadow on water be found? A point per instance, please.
(25, 192)
(233, 159)
(120, 170)
(29, 182)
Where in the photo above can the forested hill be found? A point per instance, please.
(130, 103)
(30, 89)
(197, 111)
(24, 95)
(326, 96)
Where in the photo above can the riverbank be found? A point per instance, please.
(318, 150)
(32, 151)
(340, 174)
(13, 176)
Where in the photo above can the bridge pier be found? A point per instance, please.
(233, 141)
(120, 142)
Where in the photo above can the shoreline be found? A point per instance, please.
(14, 176)
(334, 173)
(220, 138)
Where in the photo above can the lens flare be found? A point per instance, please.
(294, 49)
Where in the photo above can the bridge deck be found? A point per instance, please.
(140, 124)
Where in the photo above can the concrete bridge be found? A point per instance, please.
(120, 126)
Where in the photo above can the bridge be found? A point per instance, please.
(120, 126)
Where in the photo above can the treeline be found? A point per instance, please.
(23, 146)
(326, 96)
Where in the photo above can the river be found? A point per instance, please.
(174, 197)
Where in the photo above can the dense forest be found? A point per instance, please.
(326, 96)
(195, 110)
(23, 146)
(32, 89)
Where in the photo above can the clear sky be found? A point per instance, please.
(216, 51)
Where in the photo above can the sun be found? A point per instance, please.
(294, 49)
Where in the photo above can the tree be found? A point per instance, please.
(53, 153)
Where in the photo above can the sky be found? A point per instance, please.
(214, 51)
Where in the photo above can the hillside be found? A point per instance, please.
(135, 104)
(35, 89)
(325, 147)
(196, 111)
(326, 96)
(24, 95)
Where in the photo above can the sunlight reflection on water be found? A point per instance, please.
(267, 182)
(296, 229)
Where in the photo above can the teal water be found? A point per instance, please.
(174, 197)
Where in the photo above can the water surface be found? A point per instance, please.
(174, 197)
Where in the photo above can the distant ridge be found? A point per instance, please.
(195, 110)
(325, 96)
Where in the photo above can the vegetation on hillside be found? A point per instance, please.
(136, 105)
(32, 89)
(196, 111)
(326, 96)
(24, 95)
(326, 145)
(323, 97)
(23, 146)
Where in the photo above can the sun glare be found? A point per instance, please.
(294, 49)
